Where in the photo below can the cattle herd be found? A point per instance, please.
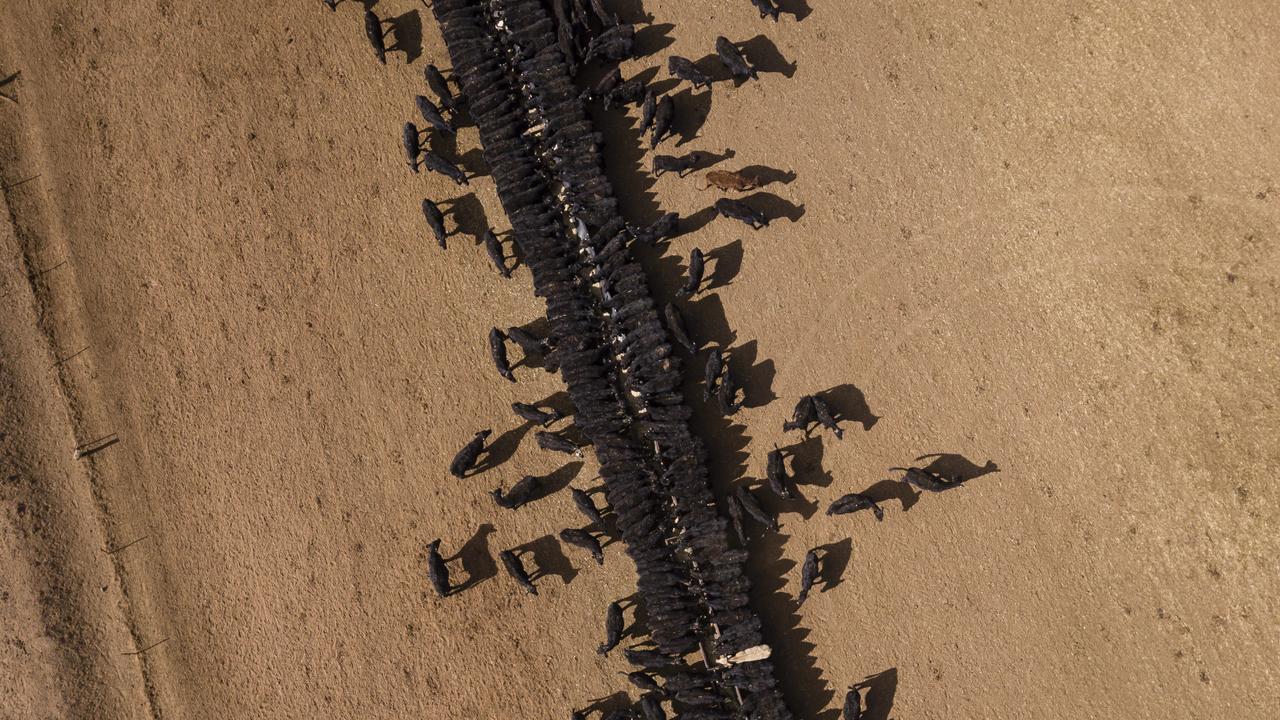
(619, 349)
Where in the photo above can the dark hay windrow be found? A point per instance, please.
(613, 353)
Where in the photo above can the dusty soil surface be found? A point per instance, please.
(1040, 236)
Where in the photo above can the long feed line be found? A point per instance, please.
(614, 355)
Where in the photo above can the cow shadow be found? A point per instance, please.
(885, 490)
(651, 39)
(768, 176)
(538, 328)
(835, 559)
(408, 32)
(797, 503)
(705, 160)
(712, 67)
(806, 462)
(663, 84)
(710, 159)
(511, 253)
(881, 689)
(691, 113)
(473, 162)
(556, 480)
(797, 8)
(850, 404)
(548, 559)
(502, 448)
(707, 324)
(468, 215)
(639, 626)
(604, 535)
(558, 401)
(530, 360)
(477, 561)
(763, 55)
(774, 207)
(697, 221)
(616, 702)
(446, 146)
(755, 379)
(957, 467)
(727, 263)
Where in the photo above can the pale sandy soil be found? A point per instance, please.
(1038, 234)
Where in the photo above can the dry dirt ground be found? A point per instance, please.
(1042, 235)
